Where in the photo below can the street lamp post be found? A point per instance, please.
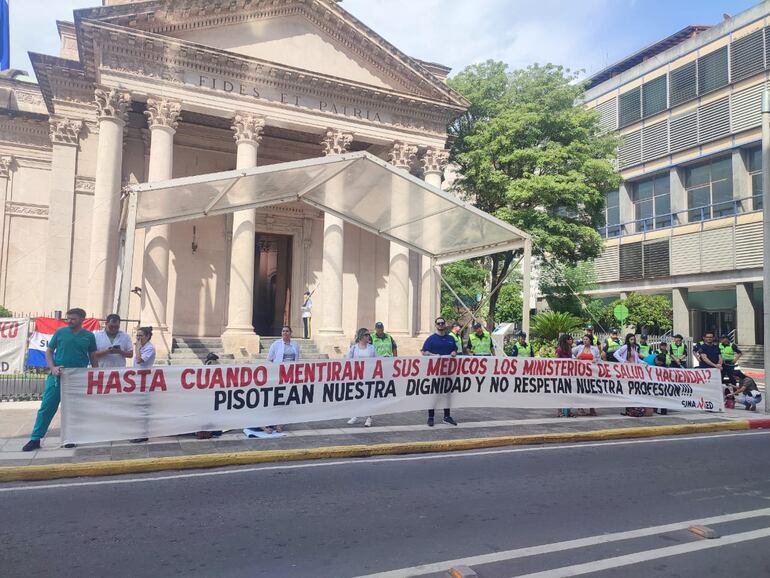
(766, 235)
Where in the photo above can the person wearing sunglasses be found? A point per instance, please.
(440, 343)
(362, 348)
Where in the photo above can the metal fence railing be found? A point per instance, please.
(25, 386)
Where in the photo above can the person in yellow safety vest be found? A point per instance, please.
(521, 348)
(456, 334)
(480, 341)
(678, 352)
(612, 344)
(644, 347)
(663, 350)
(590, 333)
(384, 344)
(730, 356)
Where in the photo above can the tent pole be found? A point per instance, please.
(526, 287)
(128, 257)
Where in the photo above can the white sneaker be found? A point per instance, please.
(352, 420)
(368, 422)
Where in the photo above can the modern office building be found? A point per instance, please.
(686, 222)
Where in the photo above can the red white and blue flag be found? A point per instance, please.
(45, 327)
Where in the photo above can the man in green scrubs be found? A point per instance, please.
(70, 346)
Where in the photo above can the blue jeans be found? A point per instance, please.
(748, 400)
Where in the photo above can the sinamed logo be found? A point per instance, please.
(701, 404)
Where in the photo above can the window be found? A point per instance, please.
(682, 86)
(755, 172)
(747, 56)
(654, 96)
(712, 71)
(612, 214)
(630, 105)
(652, 203)
(710, 190)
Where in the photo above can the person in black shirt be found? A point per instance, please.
(708, 353)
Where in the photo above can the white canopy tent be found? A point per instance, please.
(357, 187)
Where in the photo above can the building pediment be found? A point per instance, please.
(312, 36)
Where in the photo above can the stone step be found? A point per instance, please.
(198, 341)
(199, 348)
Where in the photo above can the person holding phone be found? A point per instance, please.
(113, 346)
(144, 357)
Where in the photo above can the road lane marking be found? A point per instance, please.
(567, 545)
(377, 460)
(647, 555)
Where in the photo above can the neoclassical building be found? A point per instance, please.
(158, 89)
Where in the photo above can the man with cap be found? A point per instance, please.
(678, 352)
(590, 333)
(456, 334)
(439, 343)
(521, 348)
(384, 344)
(612, 344)
(480, 341)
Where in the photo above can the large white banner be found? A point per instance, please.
(13, 343)
(102, 405)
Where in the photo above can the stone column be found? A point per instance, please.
(433, 163)
(111, 107)
(746, 314)
(162, 119)
(402, 156)
(239, 337)
(335, 142)
(6, 161)
(679, 298)
(65, 136)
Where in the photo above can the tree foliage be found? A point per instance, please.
(529, 156)
(548, 325)
(5, 312)
(510, 303)
(651, 314)
(562, 287)
(467, 278)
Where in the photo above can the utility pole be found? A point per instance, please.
(766, 237)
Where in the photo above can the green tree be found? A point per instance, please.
(562, 286)
(510, 303)
(531, 157)
(4, 312)
(467, 279)
(650, 314)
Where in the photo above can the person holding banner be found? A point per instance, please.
(587, 351)
(70, 346)
(283, 350)
(440, 344)
(362, 349)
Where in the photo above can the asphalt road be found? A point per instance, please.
(349, 518)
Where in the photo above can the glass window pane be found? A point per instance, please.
(643, 190)
(613, 216)
(722, 198)
(663, 222)
(695, 176)
(698, 198)
(758, 203)
(662, 185)
(722, 169)
(755, 159)
(643, 209)
(756, 184)
(613, 199)
(662, 205)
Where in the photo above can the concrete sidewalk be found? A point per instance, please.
(17, 418)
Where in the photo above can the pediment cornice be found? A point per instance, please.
(160, 18)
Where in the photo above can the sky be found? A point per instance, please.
(583, 35)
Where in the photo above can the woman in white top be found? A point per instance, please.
(144, 357)
(144, 354)
(360, 349)
(629, 351)
(283, 350)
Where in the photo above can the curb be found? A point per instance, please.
(147, 465)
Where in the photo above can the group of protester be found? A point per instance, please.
(73, 346)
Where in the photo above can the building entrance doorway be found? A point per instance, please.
(718, 322)
(272, 283)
